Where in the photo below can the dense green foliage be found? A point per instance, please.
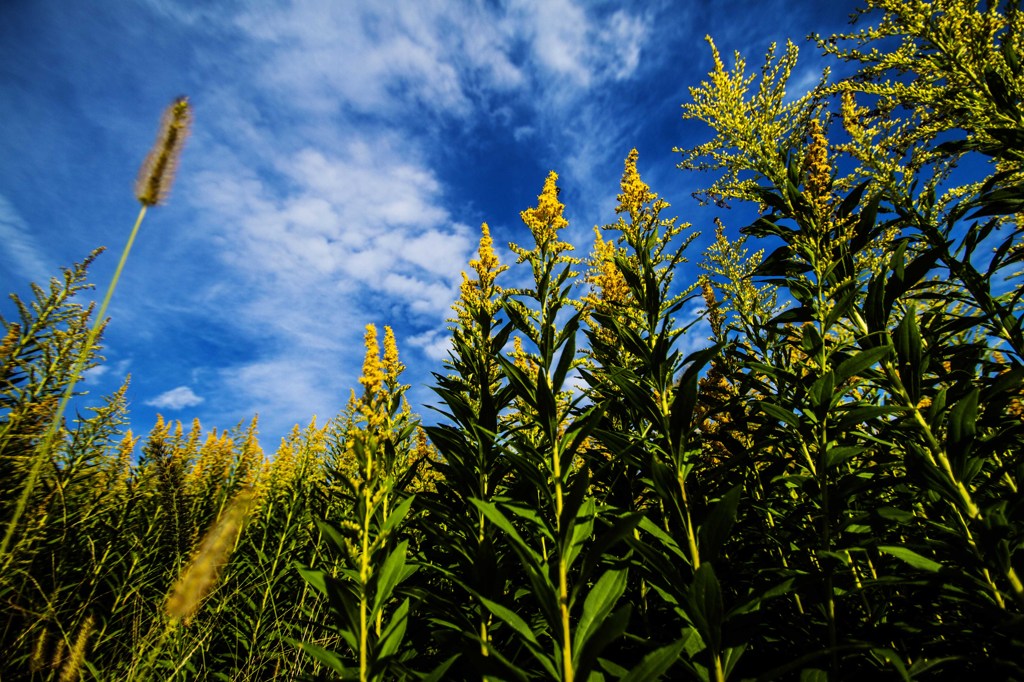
(829, 490)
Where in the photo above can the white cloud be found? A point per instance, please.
(289, 388)
(118, 369)
(698, 336)
(560, 29)
(317, 180)
(621, 40)
(435, 343)
(571, 42)
(175, 399)
(22, 251)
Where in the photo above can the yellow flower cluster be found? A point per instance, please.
(546, 219)
(609, 287)
(392, 366)
(212, 465)
(373, 370)
(523, 360)
(478, 294)
(819, 174)
(487, 266)
(635, 192)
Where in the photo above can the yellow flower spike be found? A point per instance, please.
(478, 294)
(521, 358)
(608, 279)
(487, 267)
(546, 219)
(373, 371)
(393, 367)
(635, 192)
(819, 173)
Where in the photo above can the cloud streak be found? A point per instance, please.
(21, 250)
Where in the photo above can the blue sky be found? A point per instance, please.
(342, 158)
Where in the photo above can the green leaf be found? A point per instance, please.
(438, 673)
(607, 631)
(582, 529)
(656, 663)
(568, 353)
(392, 636)
(962, 419)
(838, 454)
(907, 340)
(892, 658)
(911, 557)
(856, 364)
(390, 574)
(685, 396)
(706, 608)
(397, 515)
(547, 408)
(510, 618)
(328, 658)
(495, 516)
(820, 393)
(315, 577)
(666, 540)
(602, 598)
(513, 620)
(332, 534)
(779, 413)
(715, 529)
(858, 414)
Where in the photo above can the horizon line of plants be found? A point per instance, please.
(828, 491)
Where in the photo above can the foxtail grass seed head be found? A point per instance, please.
(72, 669)
(37, 662)
(201, 576)
(157, 173)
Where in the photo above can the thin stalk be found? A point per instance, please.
(691, 533)
(364, 579)
(563, 570)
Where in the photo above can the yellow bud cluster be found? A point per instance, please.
(373, 370)
(392, 365)
(487, 267)
(609, 290)
(546, 219)
(635, 192)
(819, 174)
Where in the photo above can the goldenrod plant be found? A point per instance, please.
(373, 464)
(467, 561)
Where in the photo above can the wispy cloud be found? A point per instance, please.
(343, 156)
(21, 250)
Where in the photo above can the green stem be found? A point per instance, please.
(51, 432)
